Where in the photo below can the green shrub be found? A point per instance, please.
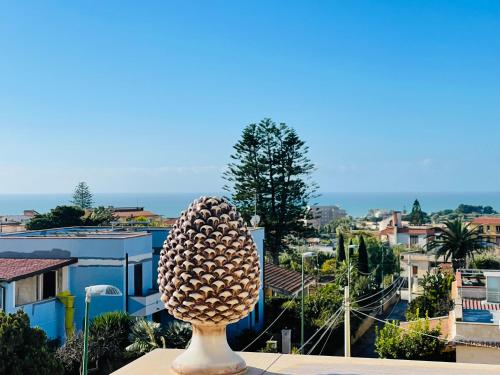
(24, 350)
(108, 338)
(145, 336)
(109, 334)
(486, 262)
(178, 335)
(393, 342)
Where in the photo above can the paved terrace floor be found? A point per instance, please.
(158, 362)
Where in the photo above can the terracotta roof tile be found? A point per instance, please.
(283, 279)
(487, 220)
(12, 269)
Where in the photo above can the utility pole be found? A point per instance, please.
(347, 323)
(302, 307)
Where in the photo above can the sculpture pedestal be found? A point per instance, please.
(209, 354)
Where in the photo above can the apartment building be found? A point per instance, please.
(489, 228)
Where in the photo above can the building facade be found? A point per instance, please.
(489, 228)
(103, 256)
(320, 216)
(126, 258)
(396, 232)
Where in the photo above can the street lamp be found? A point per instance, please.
(308, 254)
(93, 291)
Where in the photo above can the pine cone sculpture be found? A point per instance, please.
(208, 273)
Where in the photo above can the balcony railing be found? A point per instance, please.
(145, 305)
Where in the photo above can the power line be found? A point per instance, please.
(270, 325)
(381, 291)
(377, 302)
(300, 349)
(328, 329)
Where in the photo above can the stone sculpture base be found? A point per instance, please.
(209, 354)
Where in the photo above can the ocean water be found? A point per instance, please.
(171, 204)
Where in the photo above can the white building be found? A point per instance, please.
(397, 232)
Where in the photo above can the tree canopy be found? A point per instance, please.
(270, 175)
(25, 350)
(82, 197)
(392, 342)
(61, 216)
(417, 216)
(457, 241)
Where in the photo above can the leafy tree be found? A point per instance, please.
(486, 262)
(101, 216)
(61, 216)
(417, 216)
(469, 209)
(328, 267)
(82, 197)
(362, 256)
(435, 300)
(457, 241)
(24, 350)
(394, 342)
(146, 336)
(340, 225)
(270, 173)
(340, 248)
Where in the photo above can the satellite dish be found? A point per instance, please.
(255, 220)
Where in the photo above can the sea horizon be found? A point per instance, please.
(356, 204)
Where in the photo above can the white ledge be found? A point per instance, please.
(158, 362)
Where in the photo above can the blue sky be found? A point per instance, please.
(151, 96)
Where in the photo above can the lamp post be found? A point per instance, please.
(309, 254)
(91, 291)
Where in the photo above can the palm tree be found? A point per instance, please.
(457, 241)
(145, 336)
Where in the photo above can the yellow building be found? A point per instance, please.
(489, 228)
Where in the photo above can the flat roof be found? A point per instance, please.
(79, 232)
(12, 269)
(158, 362)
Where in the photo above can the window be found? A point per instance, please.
(413, 240)
(39, 287)
(414, 270)
(487, 228)
(480, 229)
(138, 279)
(498, 228)
(257, 313)
(27, 290)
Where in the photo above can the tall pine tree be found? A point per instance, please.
(362, 256)
(340, 249)
(270, 175)
(417, 216)
(82, 197)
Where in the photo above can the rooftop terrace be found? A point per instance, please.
(79, 232)
(158, 362)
